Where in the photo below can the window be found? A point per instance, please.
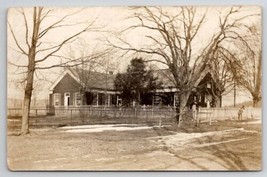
(119, 101)
(208, 85)
(77, 99)
(176, 100)
(57, 99)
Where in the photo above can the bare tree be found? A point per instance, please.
(246, 63)
(109, 68)
(91, 73)
(222, 76)
(34, 48)
(85, 73)
(90, 62)
(173, 37)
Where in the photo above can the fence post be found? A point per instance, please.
(210, 118)
(71, 117)
(71, 113)
(146, 115)
(251, 113)
(197, 116)
(160, 121)
(36, 119)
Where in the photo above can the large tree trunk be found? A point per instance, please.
(183, 97)
(30, 72)
(257, 93)
(256, 101)
(27, 100)
(218, 101)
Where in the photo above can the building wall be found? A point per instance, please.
(70, 85)
(67, 84)
(51, 100)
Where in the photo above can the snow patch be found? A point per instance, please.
(180, 139)
(216, 143)
(253, 122)
(104, 159)
(95, 126)
(40, 129)
(13, 120)
(101, 128)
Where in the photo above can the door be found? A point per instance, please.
(66, 99)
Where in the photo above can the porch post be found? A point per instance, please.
(117, 100)
(173, 99)
(96, 98)
(108, 99)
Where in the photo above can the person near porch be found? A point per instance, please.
(194, 110)
(240, 112)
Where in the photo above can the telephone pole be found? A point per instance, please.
(234, 94)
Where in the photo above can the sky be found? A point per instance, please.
(108, 24)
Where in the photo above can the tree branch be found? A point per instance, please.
(16, 41)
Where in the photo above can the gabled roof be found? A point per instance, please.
(103, 81)
(166, 78)
(61, 77)
(92, 79)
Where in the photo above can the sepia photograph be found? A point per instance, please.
(137, 88)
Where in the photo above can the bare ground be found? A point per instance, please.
(226, 145)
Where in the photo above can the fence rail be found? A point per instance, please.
(229, 113)
(33, 111)
(97, 115)
(131, 115)
(218, 113)
(115, 112)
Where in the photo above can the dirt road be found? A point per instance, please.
(222, 146)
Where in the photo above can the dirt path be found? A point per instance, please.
(235, 147)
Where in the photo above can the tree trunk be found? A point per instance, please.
(25, 115)
(27, 102)
(30, 71)
(256, 101)
(183, 97)
(28, 90)
(218, 101)
(257, 91)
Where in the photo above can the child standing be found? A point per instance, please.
(240, 112)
